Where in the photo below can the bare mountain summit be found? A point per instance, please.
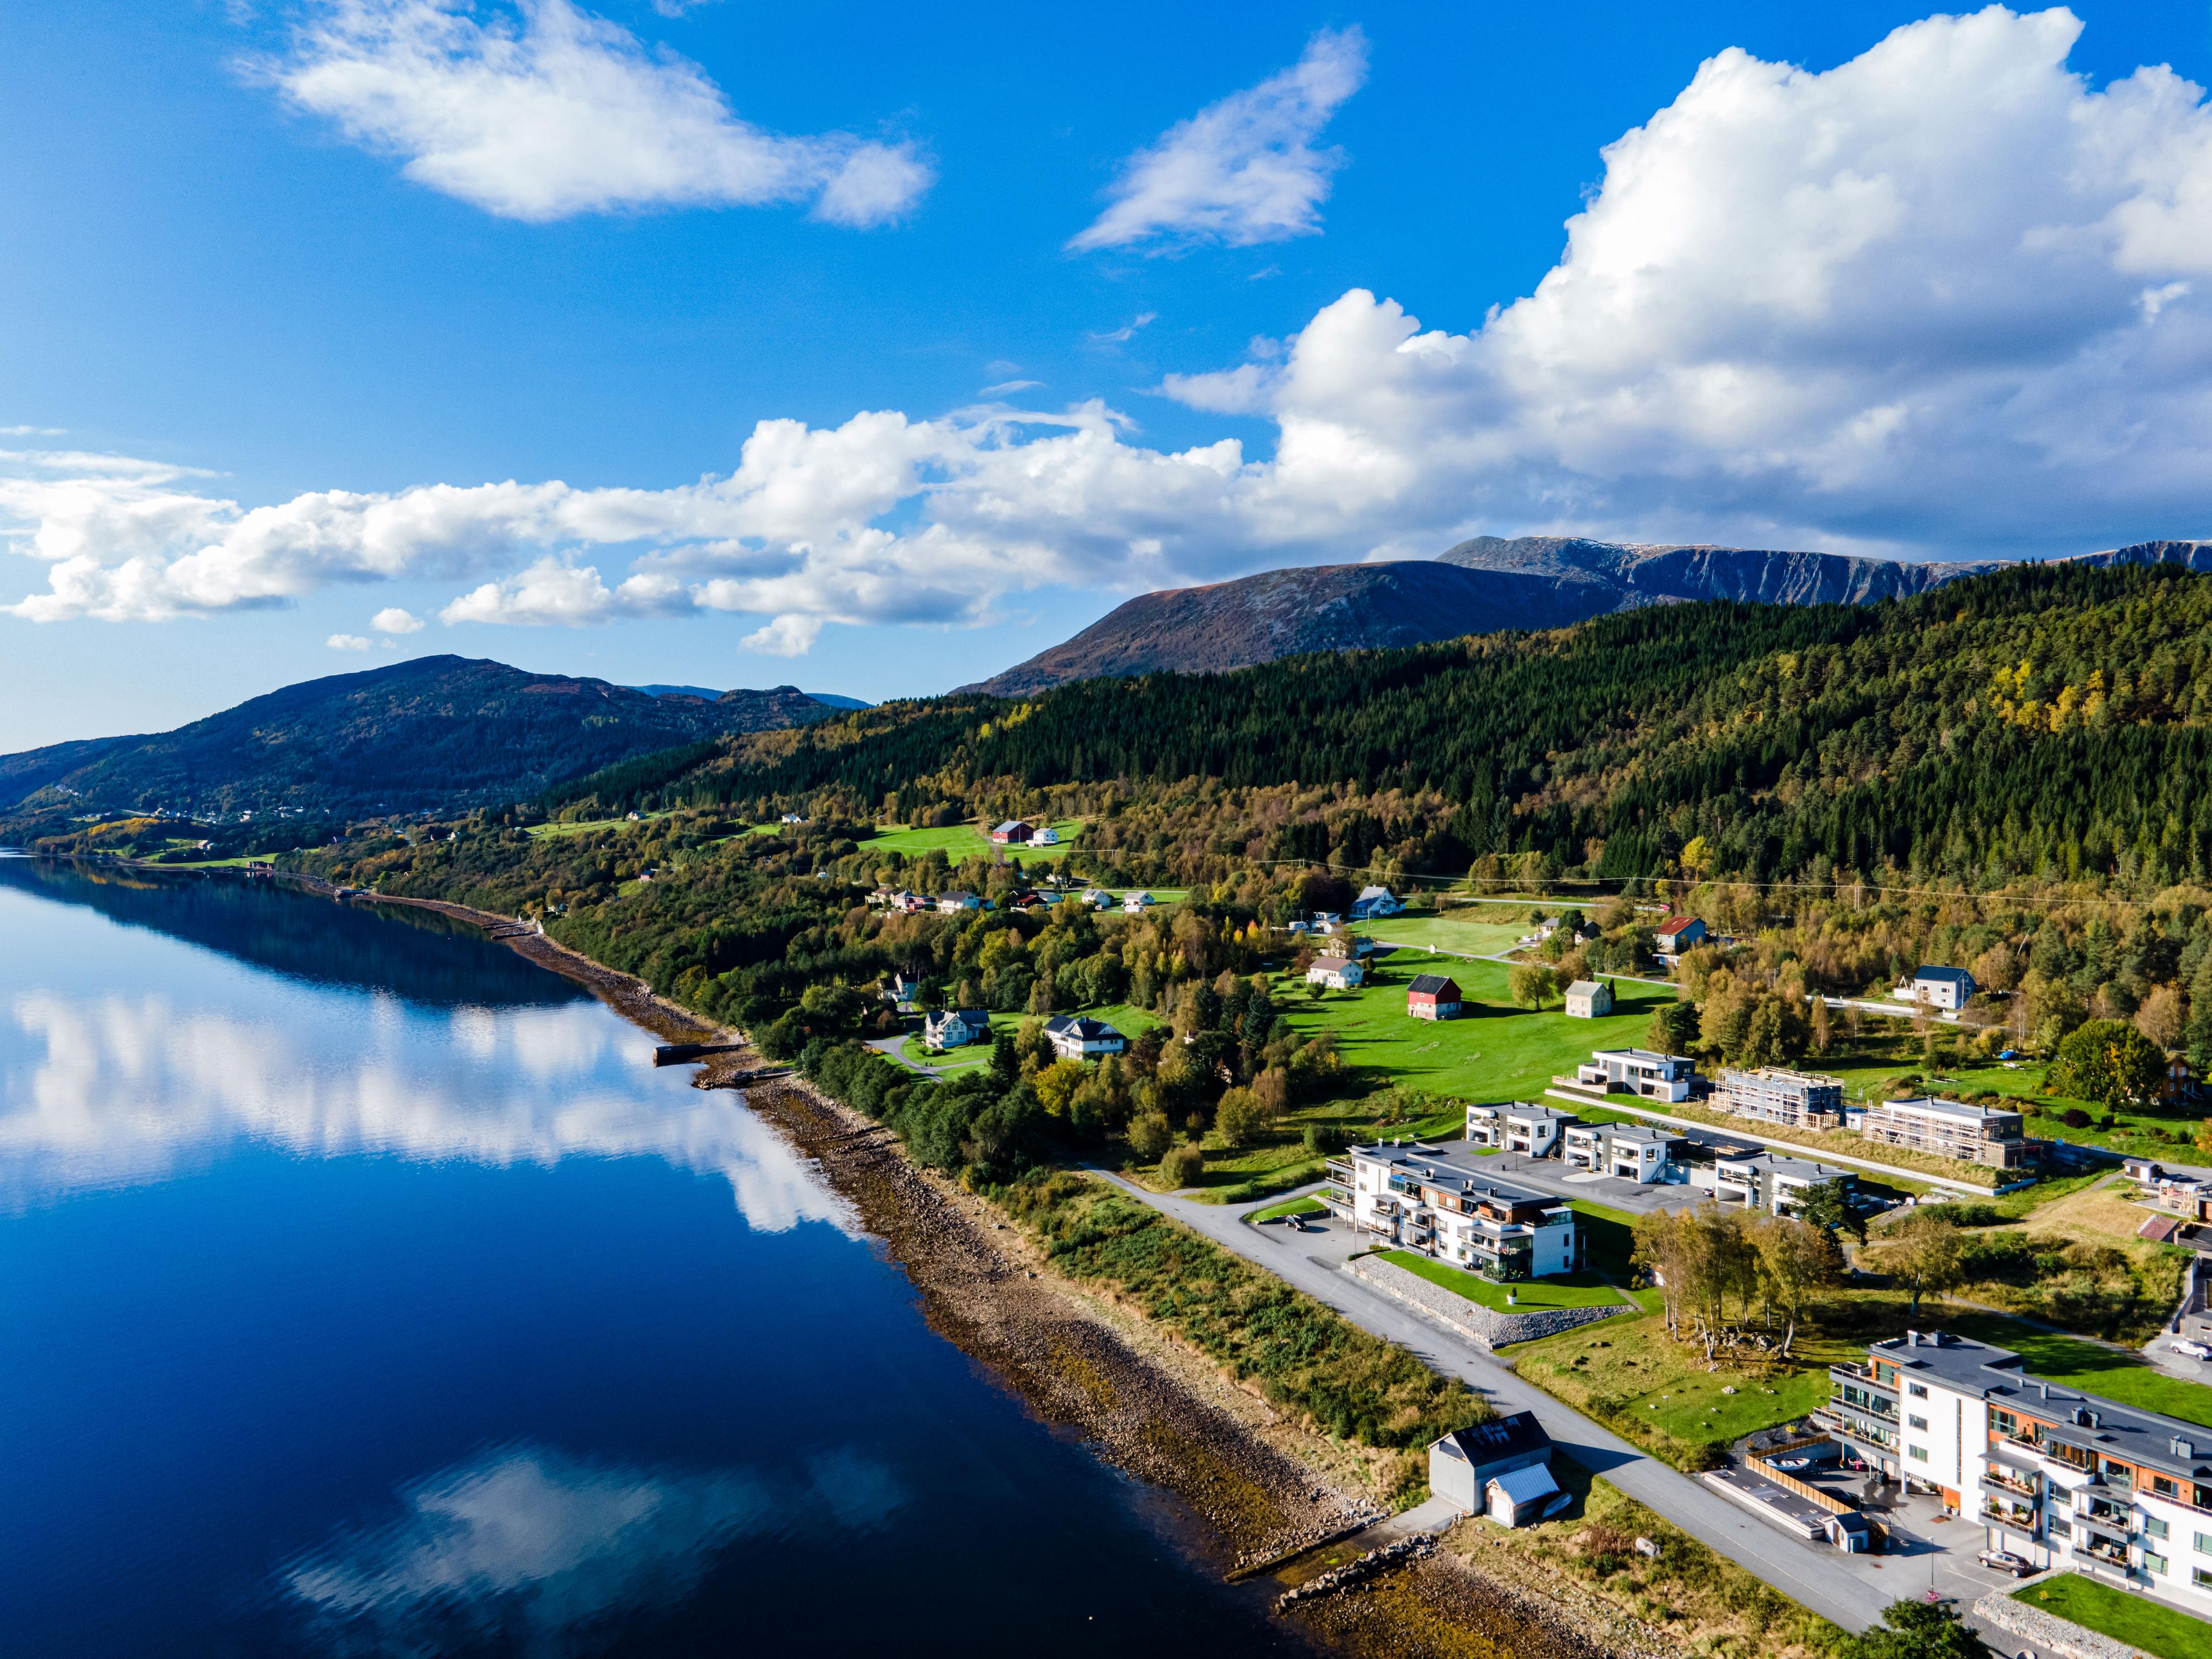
(1479, 587)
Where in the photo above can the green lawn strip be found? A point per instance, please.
(1449, 934)
(2151, 1625)
(959, 842)
(1560, 1291)
(1289, 1207)
(1494, 1052)
(1606, 1237)
(1630, 1375)
(2093, 1370)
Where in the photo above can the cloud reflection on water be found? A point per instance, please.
(553, 1555)
(124, 1089)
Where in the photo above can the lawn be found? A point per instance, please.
(1464, 936)
(1127, 1020)
(1289, 1207)
(1494, 1052)
(1606, 1240)
(2167, 1632)
(967, 841)
(1559, 1291)
(1630, 1375)
(2090, 1367)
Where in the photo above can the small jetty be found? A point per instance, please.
(683, 1054)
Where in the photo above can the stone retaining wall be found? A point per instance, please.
(2047, 1632)
(1471, 1319)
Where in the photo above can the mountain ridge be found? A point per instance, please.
(440, 732)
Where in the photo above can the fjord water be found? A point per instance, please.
(364, 1289)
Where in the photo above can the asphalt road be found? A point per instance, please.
(1848, 1590)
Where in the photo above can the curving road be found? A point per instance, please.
(1850, 1590)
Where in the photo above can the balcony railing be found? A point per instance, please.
(2025, 1484)
(1338, 1170)
(2016, 1515)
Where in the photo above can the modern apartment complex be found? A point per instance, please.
(1796, 1100)
(1950, 1129)
(2060, 1478)
(1632, 1151)
(1441, 1201)
(1639, 1072)
(1769, 1181)
(1518, 1126)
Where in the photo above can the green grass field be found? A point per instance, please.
(1289, 1207)
(1466, 936)
(2090, 1367)
(1559, 1291)
(966, 840)
(2164, 1631)
(1494, 1052)
(1128, 1021)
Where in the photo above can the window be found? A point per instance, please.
(2163, 1487)
(1917, 1422)
(1915, 1390)
(2059, 1527)
(2003, 1422)
(2200, 1577)
(2153, 1526)
(2154, 1563)
(2204, 1543)
(1917, 1454)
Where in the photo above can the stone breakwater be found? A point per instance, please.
(2047, 1632)
(1471, 1319)
(1360, 1571)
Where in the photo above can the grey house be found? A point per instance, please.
(1501, 1468)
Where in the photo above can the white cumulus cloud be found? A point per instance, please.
(1945, 298)
(346, 642)
(1243, 170)
(548, 112)
(394, 620)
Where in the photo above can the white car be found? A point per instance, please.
(2194, 1350)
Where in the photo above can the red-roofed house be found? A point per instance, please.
(1677, 934)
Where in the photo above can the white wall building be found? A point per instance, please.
(1639, 1072)
(2061, 1478)
(1632, 1151)
(1518, 1126)
(1442, 1202)
(1338, 973)
(1077, 1037)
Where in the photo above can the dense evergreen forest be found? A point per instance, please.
(2047, 721)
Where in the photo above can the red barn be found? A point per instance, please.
(1432, 996)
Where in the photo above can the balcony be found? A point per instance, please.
(1998, 1476)
(2019, 1516)
(2099, 1550)
(1856, 1427)
(1337, 1171)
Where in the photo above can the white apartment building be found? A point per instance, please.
(2060, 1478)
(1440, 1202)
(1639, 1072)
(1766, 1180)
(1518, 1126)
(1950, 1128)
(1630, 1151)
(1796, 1100)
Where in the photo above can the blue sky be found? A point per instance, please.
(1049, 309)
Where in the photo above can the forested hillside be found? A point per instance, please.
(2046, 720)
(437, 731)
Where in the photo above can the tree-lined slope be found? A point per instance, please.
(436, 732)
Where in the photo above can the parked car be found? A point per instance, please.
(2194, 1350)
(2005, 1561)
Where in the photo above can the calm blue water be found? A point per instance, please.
(363, 1290)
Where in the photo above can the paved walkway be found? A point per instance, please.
(1850, 1590)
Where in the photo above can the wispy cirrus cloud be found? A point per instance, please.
(1241, 170)
(545, 111)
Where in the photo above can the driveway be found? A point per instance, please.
(890, 1047)
(1848, 1590)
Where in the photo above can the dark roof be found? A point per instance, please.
(1089, 1029)
(1496, 1440)
(1430, 985)
(1949, 975)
